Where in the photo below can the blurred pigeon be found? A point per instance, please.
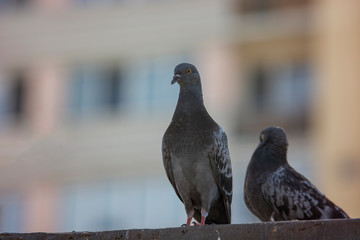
(195, 154)
(274, 191)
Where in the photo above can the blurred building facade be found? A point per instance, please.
(85, 97)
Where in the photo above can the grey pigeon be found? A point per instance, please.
(195, 154)
(274, 191)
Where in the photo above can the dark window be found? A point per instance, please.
(17, 95)
(279, 94)
(95, 90)
(112, 88)
(13, 4)
(266, 5)
(259, 87)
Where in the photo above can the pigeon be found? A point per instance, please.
(274, 191)
(195, 154)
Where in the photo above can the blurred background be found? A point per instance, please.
(85, 98)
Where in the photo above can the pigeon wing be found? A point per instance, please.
(221, 167)
(168, 166)
(292, 196)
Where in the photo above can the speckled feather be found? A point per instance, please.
(275, 191)
(294, 197)
(221, 166)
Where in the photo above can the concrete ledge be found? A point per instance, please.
(325, 229)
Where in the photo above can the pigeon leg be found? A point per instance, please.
(204, 214)
(188, 221)
(202, 220)
(190, 214)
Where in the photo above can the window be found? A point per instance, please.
(259, 87)
(17, 97)
(280, 94)
(266, 5)
(148, 88)
(13, 91)
(95, 90)
(13, 4)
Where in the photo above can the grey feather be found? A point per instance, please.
(168, 167)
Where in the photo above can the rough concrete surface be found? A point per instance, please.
(324, 229)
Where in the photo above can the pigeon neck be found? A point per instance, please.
(268, 159)
(190, 113)
(191, 92)
(190, 100)
(277, 155)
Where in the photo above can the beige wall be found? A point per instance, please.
(46, 96)
(337, 106)
(41, 209)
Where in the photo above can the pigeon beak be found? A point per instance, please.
(175, 78)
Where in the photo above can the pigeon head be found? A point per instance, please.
(275, 136)
(186, 75)
(272, 149)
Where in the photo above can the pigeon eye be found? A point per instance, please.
(188, 70)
